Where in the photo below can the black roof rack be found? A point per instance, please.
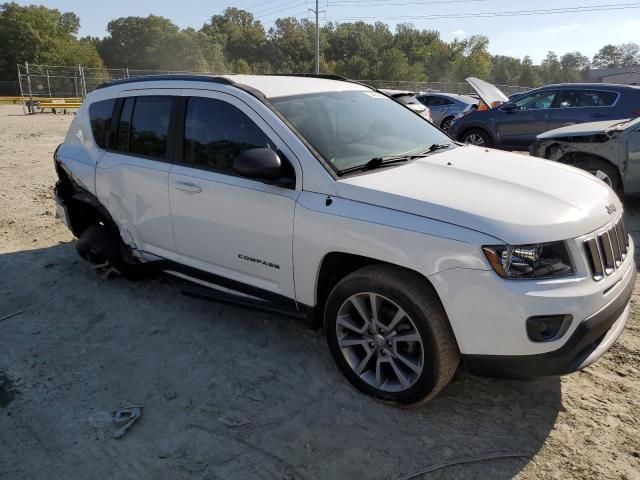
(159, 78)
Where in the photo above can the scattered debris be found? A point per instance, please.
(7, 391)
(125, 418)
(11, 315)
(234, 422)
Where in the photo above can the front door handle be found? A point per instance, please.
(188, 186)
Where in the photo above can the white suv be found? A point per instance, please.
(324, 198)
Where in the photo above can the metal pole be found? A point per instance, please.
(75, 83)
(49, 84)
(26, 70)
(317, 41)
(127, 72)
(21, 91)
(83, 83)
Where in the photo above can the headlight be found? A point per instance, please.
(539, 260)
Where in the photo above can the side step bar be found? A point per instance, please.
(205, 293)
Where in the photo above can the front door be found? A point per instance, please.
(519, 122)
(234, 227)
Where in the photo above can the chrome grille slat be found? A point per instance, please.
(607, 250)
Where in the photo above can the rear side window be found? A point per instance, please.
(439, 102)
(100, 114)
(150, 126)
(143, 128)
(216, 132)
(586, 98)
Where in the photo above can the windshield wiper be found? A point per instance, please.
(379, 162)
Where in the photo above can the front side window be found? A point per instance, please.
(350, 128)
(100, 114)
(216, 132)
(535, 101)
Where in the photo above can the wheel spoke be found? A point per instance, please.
(365, 361)
(407, 337)
(347, 322)
(348, 341)
(378, 373)
(355, 301)
(404, 381)
(409, 363)
(400, 314)
(374, 299)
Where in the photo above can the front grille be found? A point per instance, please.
(607, 250)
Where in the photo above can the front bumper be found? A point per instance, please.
(589, 341)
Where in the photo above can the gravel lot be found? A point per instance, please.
(233, 394)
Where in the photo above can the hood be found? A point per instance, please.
(490, 94)
(584, 129)
(516, 198)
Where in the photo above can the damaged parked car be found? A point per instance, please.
(514, 124)
(609, 150)
(326, 200)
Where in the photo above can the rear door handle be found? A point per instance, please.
(188, 186)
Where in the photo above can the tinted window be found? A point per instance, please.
(100, 116)
(586, 98)
(439, 102)
(150, 126)
(216, 132)
(535, 101)
(124, 125)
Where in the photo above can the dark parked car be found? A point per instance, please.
(445, 106)
(514, 124)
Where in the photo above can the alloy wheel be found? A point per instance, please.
(380, 342)
(602, 176)
(475, 139)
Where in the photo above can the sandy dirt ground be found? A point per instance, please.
(233, 394)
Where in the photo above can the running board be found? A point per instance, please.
(205, 293)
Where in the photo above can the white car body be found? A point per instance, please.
(431, 216)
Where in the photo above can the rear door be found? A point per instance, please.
(582, 105)
(521, 120)
(439, 107)
(132, 176)
(225, 224)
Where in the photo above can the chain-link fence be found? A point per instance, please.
(38, 84)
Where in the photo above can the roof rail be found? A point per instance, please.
(158, 78)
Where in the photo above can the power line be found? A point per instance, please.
(515, 13)
(382, 3)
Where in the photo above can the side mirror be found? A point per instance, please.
(258, 163)
(508, 107)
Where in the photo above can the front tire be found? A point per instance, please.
(477, 137)
(445, 125)
(389, 334)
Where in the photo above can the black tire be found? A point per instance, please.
(478, 137)
(445, 125)
(595, 165)
(416, 297)
(101, 244)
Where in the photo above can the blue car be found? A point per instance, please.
(514, 124)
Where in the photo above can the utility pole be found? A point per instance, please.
(317, 12)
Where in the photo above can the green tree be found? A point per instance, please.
(393, 65)
(241, 35)
(41, 35)
(574, 66)
(528, 76)
(625, 55)
(155, 43)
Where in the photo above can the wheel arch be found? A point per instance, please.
(570, 158)
(336, 265)
(483, 128)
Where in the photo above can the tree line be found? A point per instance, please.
(234, 41)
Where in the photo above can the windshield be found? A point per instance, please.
(350, 128)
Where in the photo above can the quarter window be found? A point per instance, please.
(216, 132)
(100, 114)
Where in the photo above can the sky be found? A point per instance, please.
(517, 36)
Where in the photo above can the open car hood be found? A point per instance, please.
(490, 94)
